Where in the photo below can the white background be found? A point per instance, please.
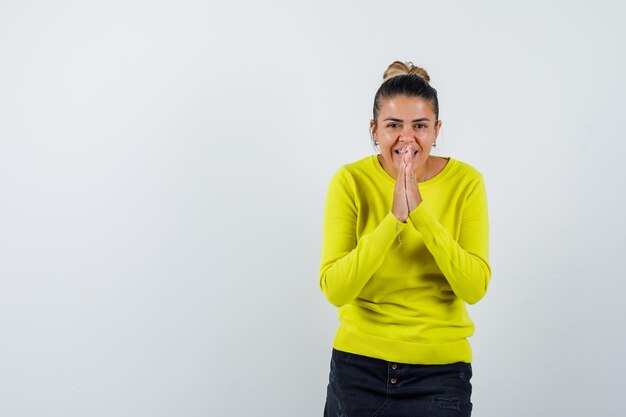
(163, 169)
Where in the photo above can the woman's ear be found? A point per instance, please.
(437, 127)
(372, 128)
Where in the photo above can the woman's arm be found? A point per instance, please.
(346, 264)
(464, 263)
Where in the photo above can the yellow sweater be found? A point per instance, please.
(401, 288)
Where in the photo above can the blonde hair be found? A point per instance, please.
(405, 68)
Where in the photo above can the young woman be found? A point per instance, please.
(405, 247)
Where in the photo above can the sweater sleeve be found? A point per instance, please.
(464, 263)
(347, 265)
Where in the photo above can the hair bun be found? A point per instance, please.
(404, 68)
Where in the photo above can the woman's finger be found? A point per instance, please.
(399, 206)
(413, 195)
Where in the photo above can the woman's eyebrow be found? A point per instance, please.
(423, 119)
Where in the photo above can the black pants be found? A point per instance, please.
(360, 386)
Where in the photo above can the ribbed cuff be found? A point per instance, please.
(423, 221)
(385, 234)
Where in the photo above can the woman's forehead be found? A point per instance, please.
(406, 107)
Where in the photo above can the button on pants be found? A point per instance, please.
(360, 386)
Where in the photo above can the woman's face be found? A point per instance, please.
(405, 121)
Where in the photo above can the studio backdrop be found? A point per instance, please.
(163, 171)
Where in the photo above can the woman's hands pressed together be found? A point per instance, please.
(406, 196)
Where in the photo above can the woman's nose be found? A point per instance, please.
(407, 134)
(407, 138)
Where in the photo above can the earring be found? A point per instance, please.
(434, 144)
